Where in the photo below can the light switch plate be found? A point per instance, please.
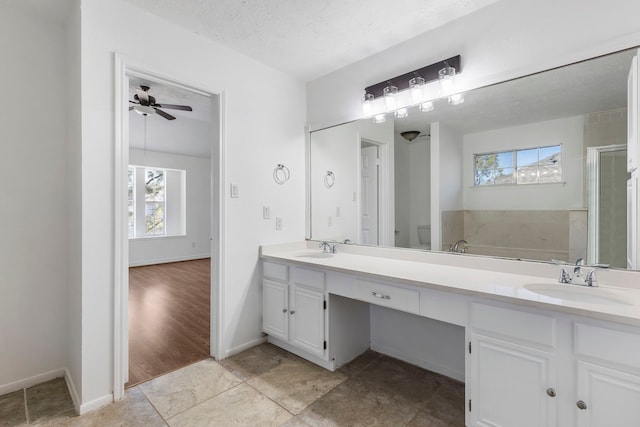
(235, 190)
(278, 223)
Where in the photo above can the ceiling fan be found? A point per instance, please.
(145, 104)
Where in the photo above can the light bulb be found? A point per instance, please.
(426, 106)
(446, 76)
(379, 118)
(416, 85)
(367, 105)
(401, 113)
(390, 93)
(456, 99)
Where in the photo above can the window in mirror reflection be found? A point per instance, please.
(540, 165)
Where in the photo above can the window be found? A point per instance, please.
(539, 165)
(160, 212)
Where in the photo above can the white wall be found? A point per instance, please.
(419, 187)
(33, 247)
(505, 40)
(74, 204)
(568, 132)
(263, 125)
(403, 194)
(446, 176)
(145, 251)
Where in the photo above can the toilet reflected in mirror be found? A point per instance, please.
(424, 237)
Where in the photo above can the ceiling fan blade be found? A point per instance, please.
(163, 114)
(175, 107)
(143, 96)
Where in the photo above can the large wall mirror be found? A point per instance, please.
(533, 168)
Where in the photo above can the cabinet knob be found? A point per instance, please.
(551, 392)
(581, 405)
(292, 312)
(284, 310)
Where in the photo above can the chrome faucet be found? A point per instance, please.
(456, 246)
(576, 278)
(328, 248)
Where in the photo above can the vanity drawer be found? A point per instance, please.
(272, 270)
(606, 344)
(519, 325)
(387, 295)
(310, 278)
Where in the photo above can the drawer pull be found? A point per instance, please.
(551, 392)
(581, 405)
(284, 310)
(380, 296)
(292, 312)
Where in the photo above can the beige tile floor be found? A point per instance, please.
(263, 386)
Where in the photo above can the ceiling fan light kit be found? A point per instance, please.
(146, 104)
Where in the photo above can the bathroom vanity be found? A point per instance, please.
(535, 352)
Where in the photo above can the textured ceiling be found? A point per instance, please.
(310, 38)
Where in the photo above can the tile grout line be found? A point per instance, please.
(26, 410)
(150, 403)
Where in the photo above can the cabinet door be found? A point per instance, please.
(610, 397)
(275, 309)
(507, 385)
(307, 320)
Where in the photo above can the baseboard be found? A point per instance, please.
(72, 390)
(96, 404)
(167, 260)
(31, 381)
(430, 366)
(245, 346)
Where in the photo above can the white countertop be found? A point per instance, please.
(491, 284)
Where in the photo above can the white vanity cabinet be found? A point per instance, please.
(607, 379)
(511, 368)
(293, 306)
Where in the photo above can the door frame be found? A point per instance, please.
(593, 198)
(125, 67)
(386, 227)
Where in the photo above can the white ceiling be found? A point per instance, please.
(310, 38)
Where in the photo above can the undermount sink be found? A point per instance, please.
(314, 255)
(589, 295)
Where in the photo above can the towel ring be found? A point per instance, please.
(281, 174)
(329, 179)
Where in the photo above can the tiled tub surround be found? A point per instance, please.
(471, 318)
(533, 235)
(263, 386)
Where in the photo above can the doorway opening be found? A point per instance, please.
(168, 225)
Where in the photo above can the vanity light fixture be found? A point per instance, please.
(411, 89)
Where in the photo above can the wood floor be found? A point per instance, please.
(169, 306)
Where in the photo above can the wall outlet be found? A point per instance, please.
(278, 223)
(330, 221)
(235, 190)
(193, 244)
(266, 212)
(337, 211)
